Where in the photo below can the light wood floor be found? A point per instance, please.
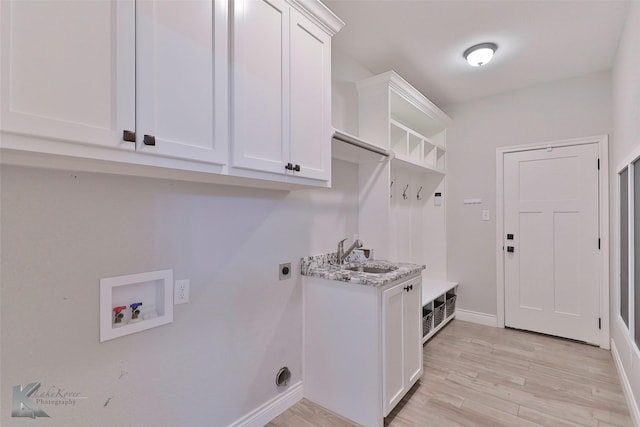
(482, 376)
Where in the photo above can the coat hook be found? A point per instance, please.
(418, 195)
(404, 193)
(390, 193)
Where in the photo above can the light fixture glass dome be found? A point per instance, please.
(480, 54)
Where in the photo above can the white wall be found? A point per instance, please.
(625, 140)
(345, 71)
(563, 109)
(63, 231)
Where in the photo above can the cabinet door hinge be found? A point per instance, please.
(599, 322)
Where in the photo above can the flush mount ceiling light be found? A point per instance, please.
(480, 54)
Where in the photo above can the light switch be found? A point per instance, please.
(485, 215)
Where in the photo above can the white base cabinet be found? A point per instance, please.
(362, 346)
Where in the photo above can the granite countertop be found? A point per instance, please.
(326, 267)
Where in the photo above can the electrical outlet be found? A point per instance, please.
(181, 291)
(284, 271)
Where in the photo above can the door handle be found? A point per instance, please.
(511, 249)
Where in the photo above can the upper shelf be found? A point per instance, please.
(406, 104)
(395, 116)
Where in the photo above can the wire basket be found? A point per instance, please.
(438, 313)
(427, 316)
(451, 304)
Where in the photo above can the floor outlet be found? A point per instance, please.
(181, 291)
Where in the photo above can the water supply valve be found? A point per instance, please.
(118, 315)
(135, 311)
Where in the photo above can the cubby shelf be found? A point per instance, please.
(432, 292)
(405, 193)
(399, 118)
(415, 149)
(404, 161)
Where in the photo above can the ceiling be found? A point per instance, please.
(538, 41)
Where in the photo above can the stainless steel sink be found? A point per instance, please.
(373, 270)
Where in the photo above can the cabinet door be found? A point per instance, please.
(182, 78)
(260, 85)
(413, 332)
(68, 70)
(310, 98)
(393, 383)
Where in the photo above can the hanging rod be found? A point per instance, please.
(357, 142)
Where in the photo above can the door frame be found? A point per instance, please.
(603, 196)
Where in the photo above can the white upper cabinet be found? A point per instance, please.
(260, 90)
(181, 75)
(68, 71)
(281, 88)
(149, 76)
(311, 129)
(238, 88)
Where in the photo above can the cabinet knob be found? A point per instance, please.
(149, 140)
(289, 167)
(128, 136)
(296, 168)
(510, 249)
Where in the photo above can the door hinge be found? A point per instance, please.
(598, 243)
(598, 164)
(599, 322)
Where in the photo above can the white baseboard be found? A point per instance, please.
(476, 317)
(271, 409)
(626, 387)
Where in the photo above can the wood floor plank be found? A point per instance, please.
(476, 376)
(544, 419)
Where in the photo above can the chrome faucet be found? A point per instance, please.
(342, 253)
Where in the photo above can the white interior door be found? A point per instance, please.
(552, 265)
